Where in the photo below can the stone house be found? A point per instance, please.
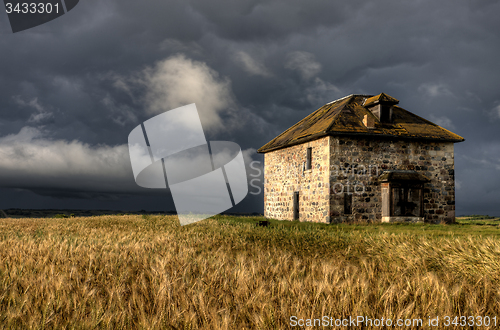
(361, 158)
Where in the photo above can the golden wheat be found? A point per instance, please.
(118, 272)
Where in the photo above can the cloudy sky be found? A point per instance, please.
(71, 90)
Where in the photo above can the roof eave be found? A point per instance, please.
(322, 134)
(294, 143)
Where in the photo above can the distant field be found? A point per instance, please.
(147, 272)
(479, 221)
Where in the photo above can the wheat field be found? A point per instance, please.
(147, 272)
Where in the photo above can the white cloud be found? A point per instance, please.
(179, 81)
(303, 62)
(32, 103)
(29, 161)
(321, 92)
(38, 117)
(435, 89)
(442, 121)
(41, 113)
(251, 65)
(26, 134)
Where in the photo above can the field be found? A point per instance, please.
(147, 272)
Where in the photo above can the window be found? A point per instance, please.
(406, 201)
(402, 194)
(296, 205)
(308, 159)
(347, 203)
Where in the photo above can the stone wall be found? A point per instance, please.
(356, 164)
(353, 169)
(284, 173)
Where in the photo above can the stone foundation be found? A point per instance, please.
(403, 219)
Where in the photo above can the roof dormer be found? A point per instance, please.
(381, 106)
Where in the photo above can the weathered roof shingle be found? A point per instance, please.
(345, 117)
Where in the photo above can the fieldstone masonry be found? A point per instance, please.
(349, 165)
(285, 173)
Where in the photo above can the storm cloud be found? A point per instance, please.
(71, 90)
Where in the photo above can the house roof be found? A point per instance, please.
(382, 97)
(345, 117)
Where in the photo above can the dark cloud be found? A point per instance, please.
(79, 84)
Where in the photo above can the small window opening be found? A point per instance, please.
(296, 205)
(347, 203)
(309, 159)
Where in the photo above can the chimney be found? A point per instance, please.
(381, 106)
(369, 121)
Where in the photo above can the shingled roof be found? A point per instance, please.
(380, 98)
(345, 117)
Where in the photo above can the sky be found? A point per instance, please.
(72, 90)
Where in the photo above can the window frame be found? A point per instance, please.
(406, 190)
(308, 159)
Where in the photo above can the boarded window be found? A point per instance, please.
(309, 159)
(347, 203)
(406, 201)
(402, 193)
(385, 200)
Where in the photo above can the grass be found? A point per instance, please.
(147, 272)
(479, 221)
